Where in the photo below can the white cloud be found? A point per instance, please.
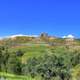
(23, 35)
(69, 36)
(17, 35)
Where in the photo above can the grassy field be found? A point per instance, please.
(6, 76)
(37, 51)
(31, 51)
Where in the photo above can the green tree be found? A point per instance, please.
(14, 65)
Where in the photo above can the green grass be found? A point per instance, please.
(8, 76)
(30, 51)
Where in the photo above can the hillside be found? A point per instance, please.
(44, 57)
(42, 39)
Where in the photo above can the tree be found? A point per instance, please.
(19, 53)
(14, 65)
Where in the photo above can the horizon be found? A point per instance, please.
(55, 17)
(34, 35)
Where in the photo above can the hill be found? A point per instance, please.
(43, 38)
(44, 57)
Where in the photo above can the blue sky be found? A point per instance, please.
(56, 17)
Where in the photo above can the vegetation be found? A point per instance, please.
(40, 62)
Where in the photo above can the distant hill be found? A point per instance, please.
(43, 38)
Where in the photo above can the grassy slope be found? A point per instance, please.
(16, 77)
(31, 51)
